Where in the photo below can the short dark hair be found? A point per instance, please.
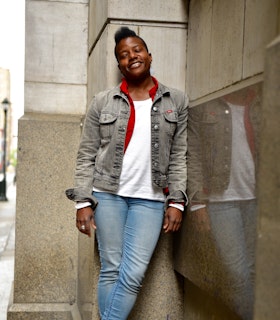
(123, 33)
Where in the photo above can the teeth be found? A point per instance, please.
(135, 65)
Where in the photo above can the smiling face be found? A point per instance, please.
(134, 59)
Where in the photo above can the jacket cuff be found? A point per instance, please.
(81, 195)
(178, 196)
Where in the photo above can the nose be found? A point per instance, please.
(132, 55)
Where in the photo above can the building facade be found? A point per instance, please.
(206, 48)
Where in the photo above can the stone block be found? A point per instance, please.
(56, 42)
(46, 250)
(168, 48)
(199, 45)
(55, 98)
(261, 27)
(98, 15)
(141, 13)
(145, 10)
(226, 43)
(103, 72)
(43, 312)
(215, 46)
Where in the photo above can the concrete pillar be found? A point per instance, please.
(46, 250)
(268, 258)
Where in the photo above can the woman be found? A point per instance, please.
(132, 162)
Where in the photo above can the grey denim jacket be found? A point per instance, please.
(101, 151)
(210, 147)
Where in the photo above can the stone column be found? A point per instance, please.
(268, 258)
(46, 253)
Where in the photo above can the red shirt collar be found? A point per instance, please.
(152, 91)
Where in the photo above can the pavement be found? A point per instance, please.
(7, 245)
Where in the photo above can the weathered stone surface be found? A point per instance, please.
(56, 98)
(226, 42)
(56, 46)
(139, 13)
(256, 37)
(46, 236)
(268, 258)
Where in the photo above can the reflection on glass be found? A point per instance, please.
(222, 162)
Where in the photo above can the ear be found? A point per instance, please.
(151, 57)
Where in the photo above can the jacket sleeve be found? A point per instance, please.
(177, 169)
(85, 163)
(195, 182)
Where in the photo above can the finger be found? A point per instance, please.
(165, 222)
(92, 223)
(83, 227)
(178, 226)
(169, 226)
(173, 226)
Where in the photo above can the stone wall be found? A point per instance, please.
(226, 43)
(268, 257)
(226, 50)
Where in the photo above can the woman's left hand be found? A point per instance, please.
(172, 219)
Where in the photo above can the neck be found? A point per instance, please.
(140, 84)
(139, 89)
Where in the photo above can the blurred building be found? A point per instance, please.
(5, 94)
(4, 84)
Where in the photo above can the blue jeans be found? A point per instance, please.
(233, 226)
(127, 233)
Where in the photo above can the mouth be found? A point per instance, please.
(134, 65)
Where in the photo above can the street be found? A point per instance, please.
(7, 245)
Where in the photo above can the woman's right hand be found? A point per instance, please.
(85, 220)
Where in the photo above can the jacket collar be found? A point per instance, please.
(156, 92)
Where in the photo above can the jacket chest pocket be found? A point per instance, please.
(209, 117)
(107, 122)
(170, 122)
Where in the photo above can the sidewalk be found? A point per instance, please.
(7, 246)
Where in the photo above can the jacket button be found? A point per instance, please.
(156, 145)
(155, 109)
(156, 127)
